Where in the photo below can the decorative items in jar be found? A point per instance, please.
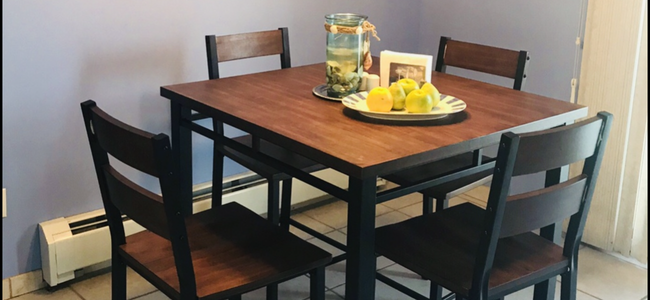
(348, 49)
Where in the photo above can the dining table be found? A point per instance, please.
(280, 107)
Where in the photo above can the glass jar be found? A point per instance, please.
(345, 53)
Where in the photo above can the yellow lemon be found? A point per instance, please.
(419, 101)
(379, 99)
(433, 92)
(408, 84)
(399, 96)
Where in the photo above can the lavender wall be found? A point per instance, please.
(546, 29)
(57, 54)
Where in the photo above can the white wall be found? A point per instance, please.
(614, 78)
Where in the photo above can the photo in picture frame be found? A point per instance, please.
(397, 65)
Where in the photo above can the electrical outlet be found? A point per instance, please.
(4, 202)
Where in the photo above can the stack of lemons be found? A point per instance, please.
(405, 93)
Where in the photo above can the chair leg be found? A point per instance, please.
(272, 292)
(118, 277)
(273, 207)
(317, 284)
(427, 204)
(435, 292)
(568, 287)
(285, 214)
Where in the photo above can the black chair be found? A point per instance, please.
(487, 254)
(219, 253)
(486, 59)
(247, 45)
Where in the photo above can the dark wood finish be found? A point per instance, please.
(487, 254)
(247, 45)
(112, 135)
(216, 254)
(358, 149)
(581, 139)
(442, 248)
(529, 211)
(143, 206)
(252, 253)
(481, 58)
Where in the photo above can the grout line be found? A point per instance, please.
(77, 293)
(589, 294)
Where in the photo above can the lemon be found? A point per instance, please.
(379, 99)
(408, 84)
(433, 92)
(419, 101)
(399, 96)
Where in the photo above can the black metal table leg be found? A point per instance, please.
(182, 152)
(545, 290)
(361, 261)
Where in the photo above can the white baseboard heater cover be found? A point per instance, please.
(72, 245)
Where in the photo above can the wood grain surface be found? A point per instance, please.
(482, 58)
(279, 106)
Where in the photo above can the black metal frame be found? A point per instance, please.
(182, 126)
(275, 194)
(494, 215)
(359, 216)
(169, 175)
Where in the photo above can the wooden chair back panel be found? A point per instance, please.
(560, 147)
(487, 59)
(126, 143)
(139, 204)
(246, 45)
(529, 211)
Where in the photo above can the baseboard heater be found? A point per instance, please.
(75, 245)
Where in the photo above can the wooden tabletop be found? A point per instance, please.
(279, 106)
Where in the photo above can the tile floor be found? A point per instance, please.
(600, 276)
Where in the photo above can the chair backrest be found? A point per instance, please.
(150, 154)
(482, 58)
(529, 153)
(247, 45)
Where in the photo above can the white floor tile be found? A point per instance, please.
(157, 295)
(311, 223)
(607, 277)
(99, 287)
(60, 294)
(336, 214)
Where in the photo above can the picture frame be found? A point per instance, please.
(397, 65)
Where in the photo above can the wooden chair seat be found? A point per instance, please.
(442, 247)
(233, 250)
(487, 254)
(272, 150)
(220, 253)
